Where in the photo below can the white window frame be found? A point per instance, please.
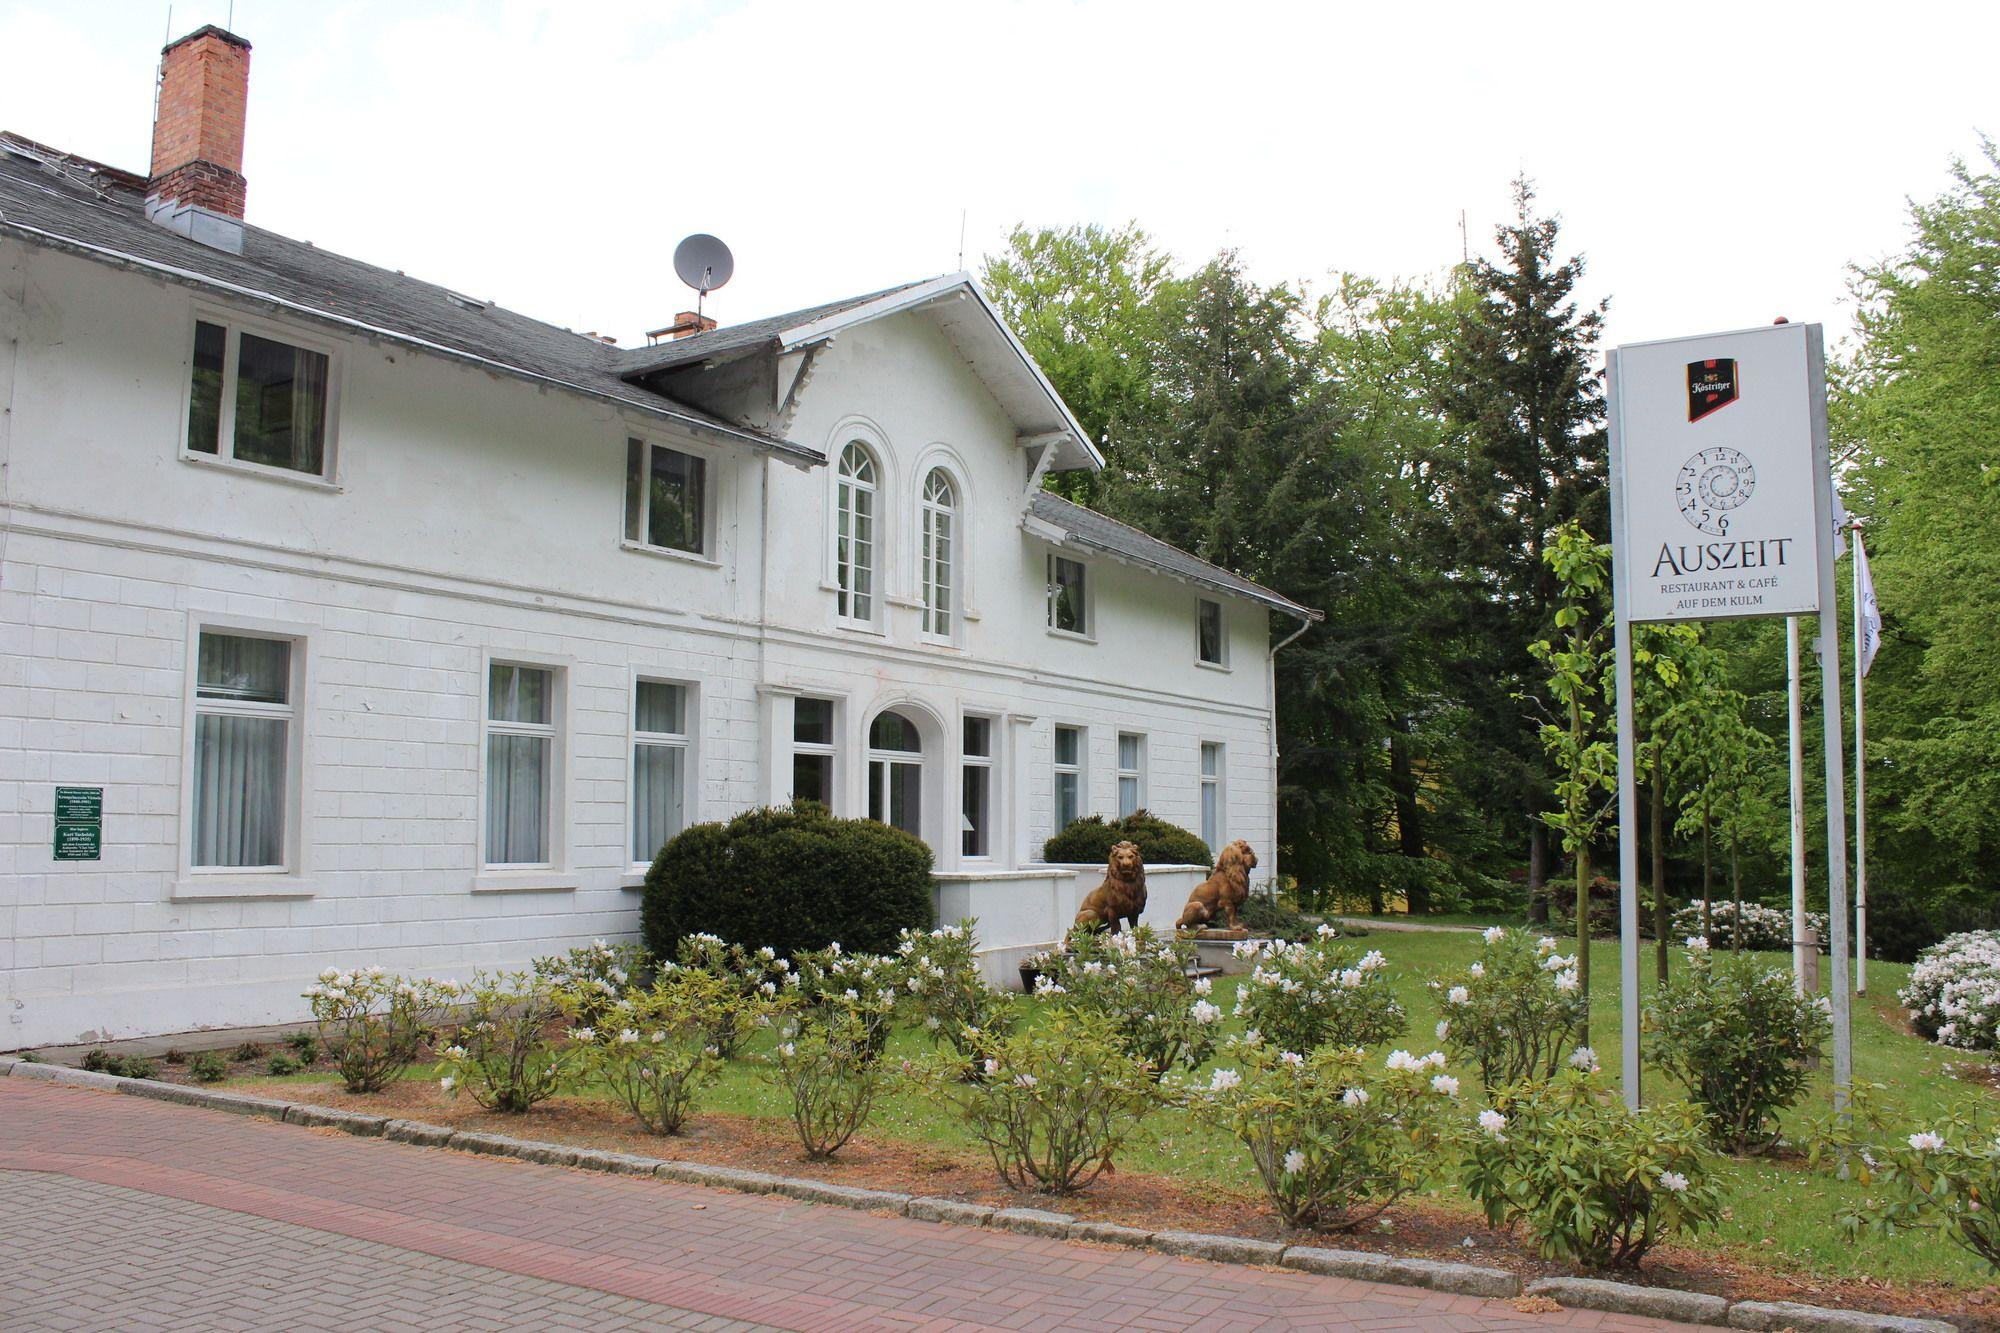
(1136, 775)
(687, 742)
(280, 881)
(919, 759)
(504, 877)
(711, 499)
(1222, 633)
(233, 326)
(878, 490)
(1089, 631)
(831, 748)
(929, 514)
(1217, 781)
(990, 761)
(1059, 769)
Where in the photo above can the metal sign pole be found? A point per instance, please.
(1803, 960)
(1628, 791)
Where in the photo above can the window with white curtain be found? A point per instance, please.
(520, 763)
(660, 726)
(259, 400)
(1069, 776)
(243, 719)
(854, 533)
(1131, 773)
(1211, 795)
(940, 513)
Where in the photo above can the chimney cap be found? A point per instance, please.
(207, 30)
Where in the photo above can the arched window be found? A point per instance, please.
(940, 510)
(896, 773)
(854, 541)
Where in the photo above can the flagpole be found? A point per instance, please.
(1796, 711)
(1860, 783)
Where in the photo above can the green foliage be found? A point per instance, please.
(831, 1077)
(1335, 1142)
(373, 1023)
(792, 879)
(207, 1067)
(1300, 997)
(509, 1051)
(1274, 917)
(940, 973)
(651, 1048)
(305, 1047)
(1089, 840)
(1737, 1036)
(1139, 979)
(1944, 1178)
(1051, 1103)
(829, 988)
(101, 1061)
(595, 975)
(1594, 1183)
(755, 975)
(248, 1051)
(1514, 1010)
(283, 1064)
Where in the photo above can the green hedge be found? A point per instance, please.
(1089, 840)
(793, 878)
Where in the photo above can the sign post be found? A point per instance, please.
(1722, 508)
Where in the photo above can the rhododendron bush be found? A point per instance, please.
(1299, 997)
(1764, 928)
(373, 1023)
(1141, 980)
(1514, 1010)
(1953, 995)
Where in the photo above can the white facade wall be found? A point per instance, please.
(471, 517)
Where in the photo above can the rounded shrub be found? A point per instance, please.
(1089, 840)
(790, 878)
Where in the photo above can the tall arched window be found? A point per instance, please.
(940, 509)
(896, 773)
(854, 541)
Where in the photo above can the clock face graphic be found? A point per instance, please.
(1713, 483)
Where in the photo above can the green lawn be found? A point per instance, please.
(1780, 1214)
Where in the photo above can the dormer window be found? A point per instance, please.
(666, 498)
(259, 400)
(854, 536)
(1069, 610)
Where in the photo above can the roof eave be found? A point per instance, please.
(788, 450)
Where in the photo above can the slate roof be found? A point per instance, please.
(96, 214)
(740, 337)
(1087, 527)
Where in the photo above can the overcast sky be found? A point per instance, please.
(1717, 164)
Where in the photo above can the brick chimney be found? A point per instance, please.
(686, 324)
(196, 186)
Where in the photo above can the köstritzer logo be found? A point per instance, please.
(1711, 385)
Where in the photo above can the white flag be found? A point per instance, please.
(1871, 612)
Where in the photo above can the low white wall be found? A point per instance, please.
(1021, 912)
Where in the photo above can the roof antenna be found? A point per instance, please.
(703, 263)
(961, 242)
(170, 24)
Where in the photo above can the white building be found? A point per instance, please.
(397, 627)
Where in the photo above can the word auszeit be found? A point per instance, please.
(1761, 553)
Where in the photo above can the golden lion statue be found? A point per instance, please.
(1123, 892)
(1224, 892)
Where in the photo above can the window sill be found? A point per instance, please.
(239, 888)
(1223, 667)
(1071, 635)
(851, 627)
(634, 882)
(261, 472)
(669, 553)
(524, 881)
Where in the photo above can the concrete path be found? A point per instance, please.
(1371, 923)
(120, 1212)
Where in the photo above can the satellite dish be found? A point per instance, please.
(703, 262)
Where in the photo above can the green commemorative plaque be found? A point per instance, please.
(79, 842)
(79, 824)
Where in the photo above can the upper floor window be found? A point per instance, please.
(1068, 610)
(666, 498)
(940, 506)
(854, 537)
(659, 766)
(243, 718)
(1211, 641)
(258, 400)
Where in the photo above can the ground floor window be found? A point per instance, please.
(1131, 773)
(976, 808)
(1068, 776)
(242, 751)
(812, 750)
(1211, 795)
(520, 763)
(896, 773)
(659, 766)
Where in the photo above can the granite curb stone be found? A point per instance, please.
(617, 1163)
(357, 1123)
(1460, 1279)
(1589, 1293)
(1032, 1222)
(949, 1210)
(1110, 1233)
(841, 1196)
(1816, 1319)
(1222, 1249)
(417, 1132)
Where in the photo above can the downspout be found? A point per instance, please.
(1271, 720)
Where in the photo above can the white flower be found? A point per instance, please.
(1566, 981)
(1927, 1141)
(1354, 1097)
(628, 1037)
(1493, 934)
(454, 1052)
(1546, 944)
(1295, 1162)
(933, 1023)
(1204, 985)
(1252, 1037)
(1372, 960)
(1698, 943)
(1292, 1058)
(1206, 1013)
(1443, 1029)
(1585, 1059)
(1435, 1058)
(329, 974)
(1476, 970)
(447, 1083)
(1223, 1080)
(585, 1034)
(1493, 1122)
(374, 969)
(1673, 1181)
(787, 1050)
(1458, 995)
(659, 1035)
(769, 988)
(1403, 1060)
(1445, 1084)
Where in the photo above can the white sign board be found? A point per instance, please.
(1714, 444)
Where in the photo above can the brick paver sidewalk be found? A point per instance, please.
(148, 1214)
